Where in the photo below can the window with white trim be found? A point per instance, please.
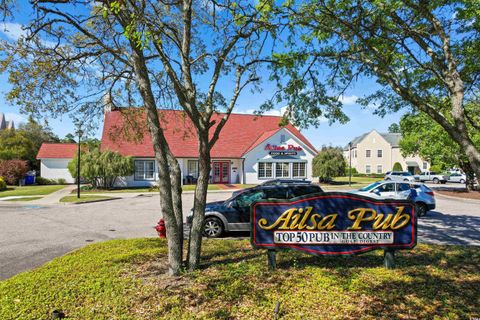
(425, 165)
(265, 170)
(368, 153)
(298, 170)
(379, 168)
(282, 170)
(379, 153)
(368, 169)
(193, 168)
(144, 170)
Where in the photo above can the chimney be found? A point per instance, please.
(108, 105)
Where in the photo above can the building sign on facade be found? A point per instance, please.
(334, 224)
(288, 150)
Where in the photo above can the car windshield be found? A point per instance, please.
(370, 186)
(406, 174)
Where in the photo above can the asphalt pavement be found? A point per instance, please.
(31, 235)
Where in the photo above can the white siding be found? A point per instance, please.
(259, 154)
(55, 169)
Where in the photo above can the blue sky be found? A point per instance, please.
(361, 119)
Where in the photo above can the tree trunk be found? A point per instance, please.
(160, 146)
(176, 180)
(195, 240)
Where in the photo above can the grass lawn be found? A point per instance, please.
(342, 183)
(29, 190)
(83, 198)
(124, 279)
(25, 199)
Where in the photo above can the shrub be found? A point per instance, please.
(397, 166)
(328, 163)
(61, 181)
(44, 181)
(3, 184)
(102, 168)
(354, 172)
(13, 170)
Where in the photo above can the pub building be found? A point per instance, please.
(250, 150)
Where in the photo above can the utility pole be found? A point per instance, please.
(79, 132)
(350, 164)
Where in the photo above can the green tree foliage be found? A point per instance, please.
(69, 138)
(14, 144)
(425, 137)
(102, 168)
(37, 134)
(329, 163)
(397, 167)
(423, 55)
(394, 128)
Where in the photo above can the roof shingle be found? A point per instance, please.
(241, 133)
(57, 150)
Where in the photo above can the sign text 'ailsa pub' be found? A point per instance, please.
(334, 224)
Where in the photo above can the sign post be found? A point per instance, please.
(334, 223)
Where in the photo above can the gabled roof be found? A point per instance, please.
(57, 151)
(392, 138)
(241, 133)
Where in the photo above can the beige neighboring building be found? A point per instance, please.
(375, 152)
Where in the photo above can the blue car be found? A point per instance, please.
(233, 214)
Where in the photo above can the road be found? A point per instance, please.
(33, 235)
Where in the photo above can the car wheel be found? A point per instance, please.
(212, 227)
(421, 209)
(435, 180)
(462, 181)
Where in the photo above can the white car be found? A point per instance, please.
(399, 176)
(425, 199)
(457, 177)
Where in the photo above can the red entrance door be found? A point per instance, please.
(221, 172)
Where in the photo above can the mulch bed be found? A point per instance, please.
(461, 194)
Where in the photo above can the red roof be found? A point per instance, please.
(57, 150)
(241, 133)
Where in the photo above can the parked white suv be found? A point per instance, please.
(399, 176)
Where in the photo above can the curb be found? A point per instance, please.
(91, 201)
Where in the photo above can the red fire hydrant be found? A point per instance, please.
(161, 230)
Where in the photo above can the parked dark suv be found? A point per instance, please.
(233, 214)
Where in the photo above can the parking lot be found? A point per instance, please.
(32, 235)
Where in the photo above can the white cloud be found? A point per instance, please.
(348, 100)
(17, 118)
(13, 31)
(273, 112)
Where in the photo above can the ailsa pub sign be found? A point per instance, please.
(334, 224)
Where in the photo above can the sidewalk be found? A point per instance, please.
(54, 198)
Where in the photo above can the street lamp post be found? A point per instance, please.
(79, 132)
(350, 164)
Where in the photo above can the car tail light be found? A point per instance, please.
(430, 193)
